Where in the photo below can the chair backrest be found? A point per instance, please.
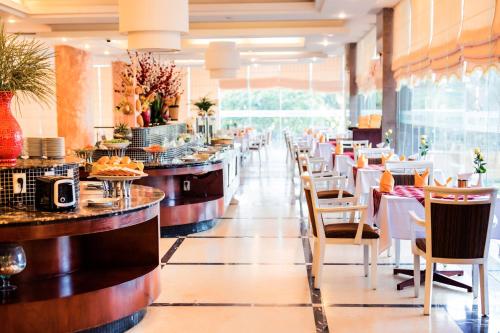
(372, 153)
(315, 218)
(349, 145)
(459, 222)
(403, 171)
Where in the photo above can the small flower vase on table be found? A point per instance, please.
(479, 166)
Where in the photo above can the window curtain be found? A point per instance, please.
(401, 39)
(239, 82)
(444, 51)
(327, 75)
(264, 76)
(477, 37)
(421, 17)
(202, 85)
(366, 62)
(294, 76)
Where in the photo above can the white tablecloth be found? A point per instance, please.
(367, 178)
(394, 221)
(324, 150)
(343, 163)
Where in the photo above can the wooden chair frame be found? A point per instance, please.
(460, 198)
(320, 240)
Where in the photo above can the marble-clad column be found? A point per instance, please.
(73, 95)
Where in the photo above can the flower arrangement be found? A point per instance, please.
(479, 163)
(424, 146)
(388, 137)
(157, 85)
(204, 105)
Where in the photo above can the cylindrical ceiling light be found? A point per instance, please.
(222, 59)
(154, 25)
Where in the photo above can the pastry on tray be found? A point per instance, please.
(117, 166)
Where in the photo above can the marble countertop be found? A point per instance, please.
(141, 197)
(42, 163)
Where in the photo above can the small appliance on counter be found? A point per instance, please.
(55, 193)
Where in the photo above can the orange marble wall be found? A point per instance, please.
(120, 117)
(73, 94)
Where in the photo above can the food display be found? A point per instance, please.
(222, 140)
(155, 149)
(116, 143)
(117, 167)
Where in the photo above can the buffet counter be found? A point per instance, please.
(91, 268)
(196, 193)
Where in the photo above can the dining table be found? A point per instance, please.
(390, 213)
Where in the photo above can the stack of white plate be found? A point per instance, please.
(34, 147)
(54, 147)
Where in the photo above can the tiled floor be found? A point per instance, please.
(251, 273)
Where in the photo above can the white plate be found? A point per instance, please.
(102, 202)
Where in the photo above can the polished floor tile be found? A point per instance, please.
(189, 319)
(165, 245)
(388, 320)
(240, 250)
(262, 284)
(254, 228)
(249, 274)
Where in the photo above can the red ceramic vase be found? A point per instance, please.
(11, 135)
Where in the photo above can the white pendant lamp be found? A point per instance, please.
(222, 59)
(154, 25)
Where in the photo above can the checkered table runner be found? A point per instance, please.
(405, 191)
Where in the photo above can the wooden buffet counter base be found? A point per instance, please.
(92, 269)
(196, 194)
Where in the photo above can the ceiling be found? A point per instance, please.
(265, 30)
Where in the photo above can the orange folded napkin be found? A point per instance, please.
(322, 138)
(386, 182)
(339, 148)
(362, 161)
(422, 179)
(402, 157)
(385, 158)
(445, 184)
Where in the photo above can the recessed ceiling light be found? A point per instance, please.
(342, 15)
(325, 42)
(64, 39)
(330, 35)
(253, 59)
(106, 52)
(314, 59)
(86, 46)
(11, 20)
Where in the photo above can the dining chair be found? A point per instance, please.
(458, 225)
(349, 145)
(256, 146)
(374, 155)
(348, 233)
(403, 171)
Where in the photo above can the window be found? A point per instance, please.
(278, 97)
(457, 115)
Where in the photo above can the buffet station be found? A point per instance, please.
(199, 179)
(65, 250)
